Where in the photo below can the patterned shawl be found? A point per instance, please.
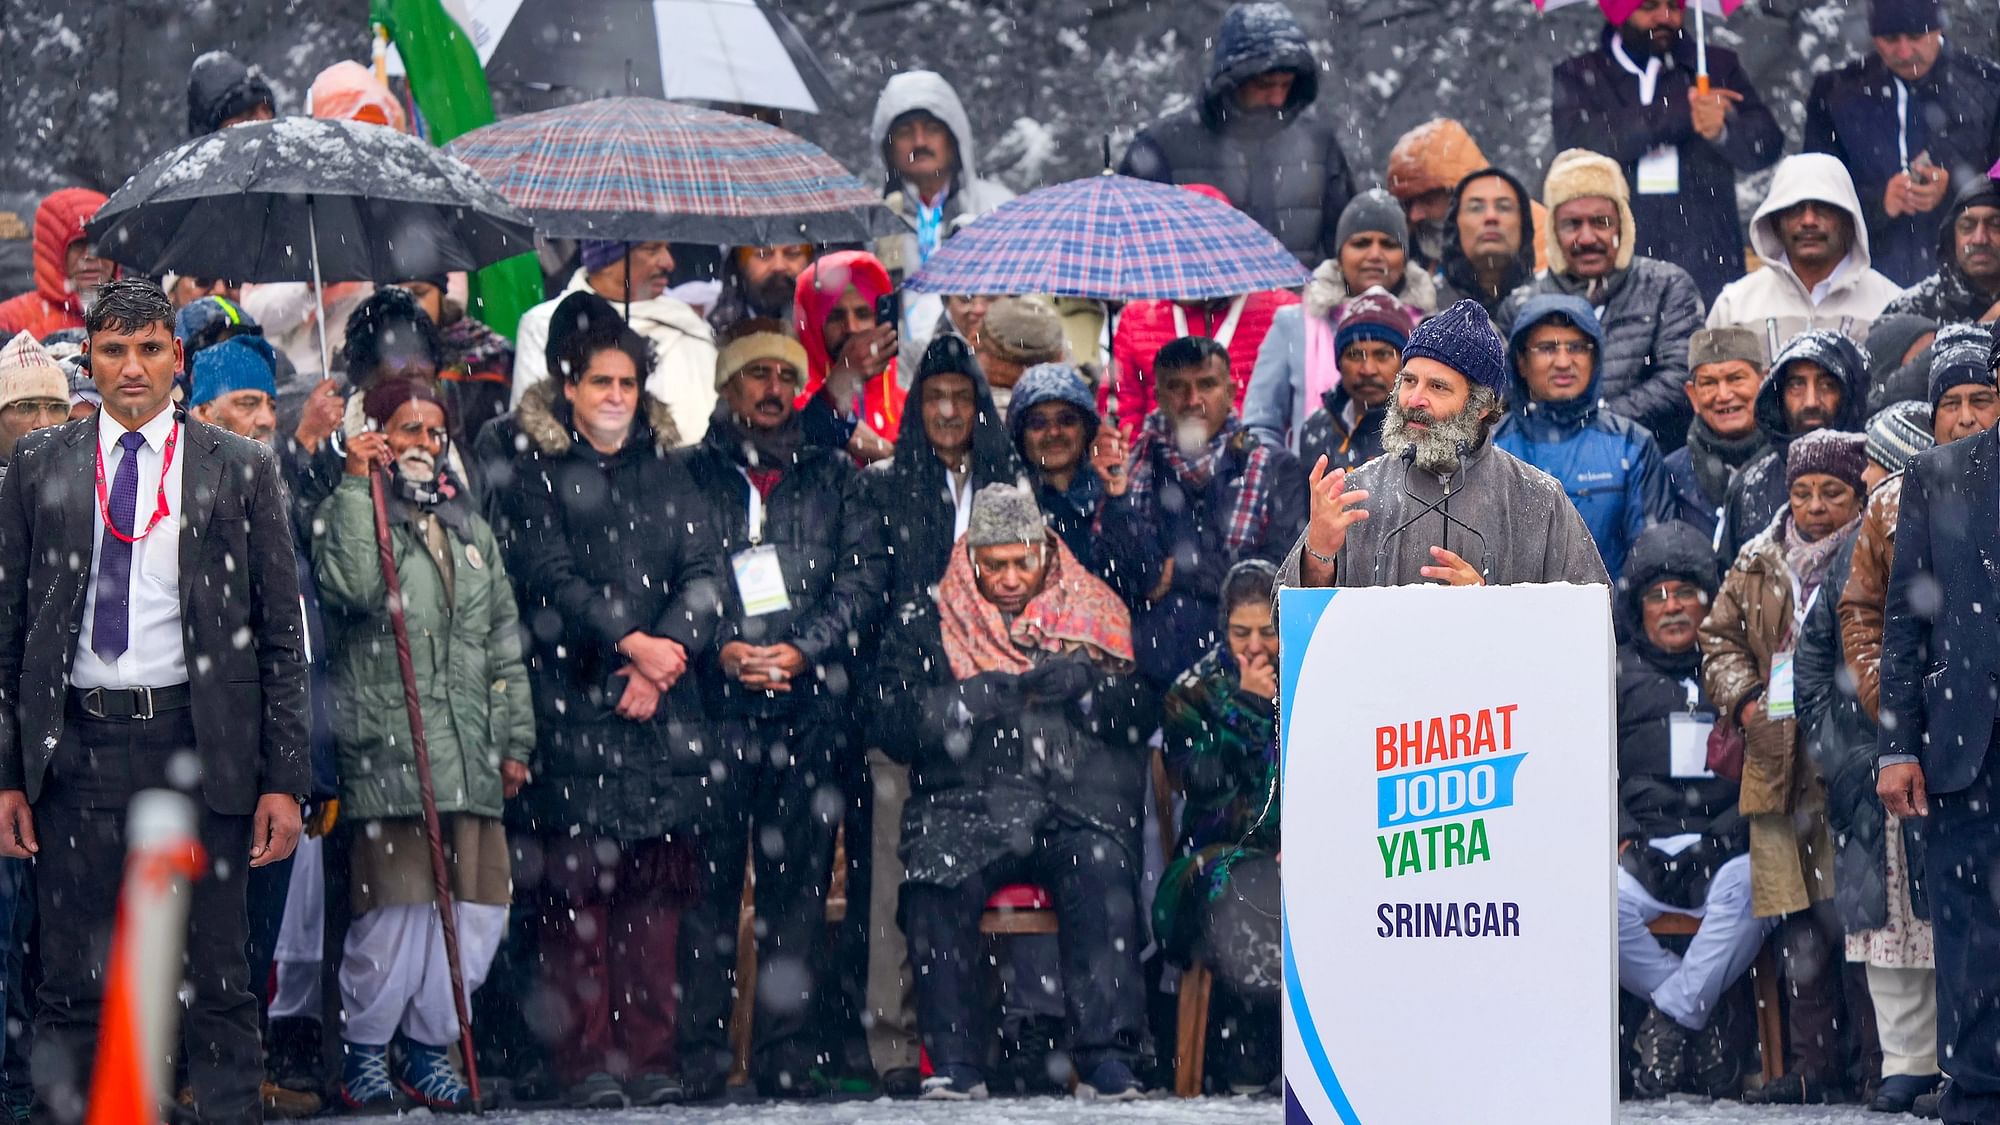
(1075, 611)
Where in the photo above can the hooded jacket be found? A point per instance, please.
(600, 546)
(1455, 270)
(1653, 687)
(1595, 105)
(1948, 296)
(1772, 300)
(1953, 113)
(1274, 404)
(1607, 463)
(1284, 169)
(51, 306)
(1440, 155)
(1759, 490)
(221, 86)
(683, 354)
(970, 196)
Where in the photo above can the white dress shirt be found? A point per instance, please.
(154, 656)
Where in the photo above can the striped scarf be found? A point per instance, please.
(1248, 514)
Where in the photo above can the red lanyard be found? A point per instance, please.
(160, 506)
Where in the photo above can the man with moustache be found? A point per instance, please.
(1367, 345)
(1199, 494)
(759, 283)
(1725, 370)
(1966, 286)
(1444, 505)
(1682, 845)
(1634, 98)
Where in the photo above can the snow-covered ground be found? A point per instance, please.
(1206, 1111)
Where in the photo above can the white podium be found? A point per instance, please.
(1449, 762)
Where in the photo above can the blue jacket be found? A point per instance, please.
(1607, 463)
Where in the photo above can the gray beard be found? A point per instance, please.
(1437, 445)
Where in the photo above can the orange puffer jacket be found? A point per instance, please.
(50, 306)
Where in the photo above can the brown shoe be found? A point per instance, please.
(289, 1104)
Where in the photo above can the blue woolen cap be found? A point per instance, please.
(1462, 338)
(240, 363)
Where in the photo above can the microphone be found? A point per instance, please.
(1441, 506)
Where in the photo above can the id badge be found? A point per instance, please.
(1660, 171)
(760, 582)
(1688, 745)
(1778, 698)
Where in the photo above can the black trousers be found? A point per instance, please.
(1962, 847)
(80, 822)
(1094, 882)
(791, 803)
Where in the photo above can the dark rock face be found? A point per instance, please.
(90, 90)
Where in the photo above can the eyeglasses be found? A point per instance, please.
(1661, 595)
(30, 408)
(1575, 349)
(1603, 224)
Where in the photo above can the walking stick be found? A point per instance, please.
(440, 879)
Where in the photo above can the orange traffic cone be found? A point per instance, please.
(137, 1028)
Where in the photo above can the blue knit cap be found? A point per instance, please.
(599, 253)
(1462, 338)
(1051, 382)
(240, 363)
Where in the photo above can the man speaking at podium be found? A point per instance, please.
(1442, 504)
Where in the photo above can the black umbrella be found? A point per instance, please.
(301, 199)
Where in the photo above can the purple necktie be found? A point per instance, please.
(111, 625)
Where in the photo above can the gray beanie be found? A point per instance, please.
(1003, 514)
(1372, 210)
(1725, 345)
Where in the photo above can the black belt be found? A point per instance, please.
(130, 703)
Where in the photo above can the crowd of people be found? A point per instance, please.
(757, 635)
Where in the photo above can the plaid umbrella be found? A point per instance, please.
(639, 169)
(1113, 238)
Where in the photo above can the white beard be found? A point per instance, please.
(417, 466)
(1438, 443)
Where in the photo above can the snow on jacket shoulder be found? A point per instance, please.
(683, 354)
(1286, 170)
(51, 305)
(1608, 464)
(1772, 300)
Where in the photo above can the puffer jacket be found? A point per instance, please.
(1948, 296)
(1607, 463)
(971, 195)
(1782, 795)
(1952, 112)
(1772, 300)
(465, 645)
(51, 306)
(834, 581)
(1840, 738)
(1144, 327)
(602, 546)
(1327, 434)
(1285, 170)
(1867, 593)
(1759, 490)
(1274, 405)
(1652, 309)
(978, 779)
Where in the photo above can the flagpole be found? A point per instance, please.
(1700, 47)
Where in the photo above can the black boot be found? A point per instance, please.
(1661, 1049)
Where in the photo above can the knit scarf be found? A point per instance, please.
(1246, 517)
(1808, 562)
(1074, 612)
(1716, 458)
(774, 449)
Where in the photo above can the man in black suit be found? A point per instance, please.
(1940, 652)
(146, 643)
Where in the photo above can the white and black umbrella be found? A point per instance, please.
(738, 51)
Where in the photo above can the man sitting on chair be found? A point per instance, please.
(1682, 846)
(1011, 694)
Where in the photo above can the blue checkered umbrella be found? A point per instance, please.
(1112, 238)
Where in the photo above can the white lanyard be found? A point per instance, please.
(1649, 78)
(756, 518)
(1225, 333)
(1902, 123)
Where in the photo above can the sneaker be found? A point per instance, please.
(599, 1091)
(1717, 1071)
(1899, 1092)
(1661, 1049)
(1111, 1081)
(955, 1084)
(903, 1082)
(429, 1078)
(654, 1090)
(365, 1086)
